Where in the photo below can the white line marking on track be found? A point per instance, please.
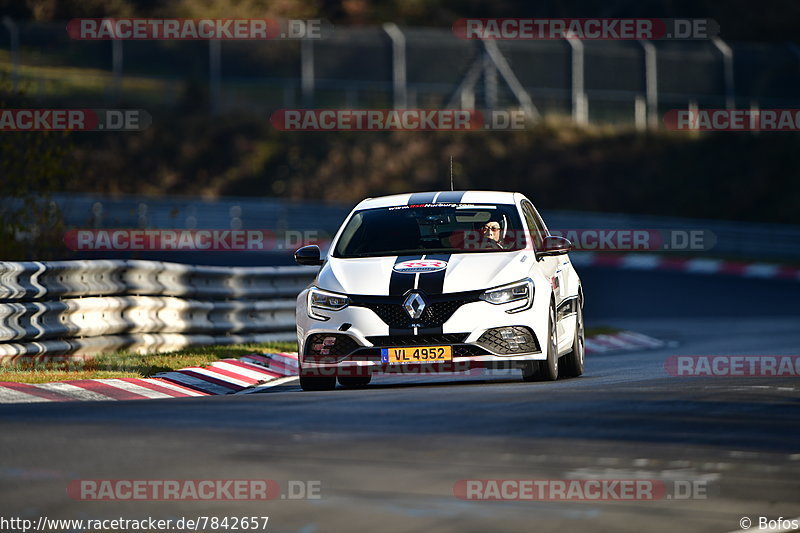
(760, 270)
(253, 373)
(74, 392)
(705, 266)
(269, 384)
(13, 396)
(643, 262)
(135, 389)
(172, 386)
(219, 376)
(196, 383)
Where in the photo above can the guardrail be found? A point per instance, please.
(74, 308)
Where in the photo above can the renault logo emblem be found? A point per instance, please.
(414, 305)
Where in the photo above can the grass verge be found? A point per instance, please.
(130, 365)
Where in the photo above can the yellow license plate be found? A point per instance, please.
(417, 354)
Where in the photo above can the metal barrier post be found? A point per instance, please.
(400, 84)
(580, 107)
(727, 69)
(651, 82)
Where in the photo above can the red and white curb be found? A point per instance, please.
(226, 376)
(248, 375)
(690, 266)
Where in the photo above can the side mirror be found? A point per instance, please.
(308, 255)
(554, 245)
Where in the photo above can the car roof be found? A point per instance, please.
(464, 197)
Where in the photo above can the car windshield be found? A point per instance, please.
(433, 228)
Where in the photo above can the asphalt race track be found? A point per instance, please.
(387, 457)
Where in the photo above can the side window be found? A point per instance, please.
(540, 222)
(535, 225)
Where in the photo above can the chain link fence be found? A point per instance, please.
(631, 82)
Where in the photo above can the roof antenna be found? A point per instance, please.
(451, 172)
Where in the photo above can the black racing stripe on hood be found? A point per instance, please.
(421, 198)
(399, 284)
(450, 197)
(433, 282)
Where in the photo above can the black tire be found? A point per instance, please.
(546, 370)
(312, 383)
(354, 382)
(573, 362)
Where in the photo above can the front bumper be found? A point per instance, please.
(340, 354)
(331, 348)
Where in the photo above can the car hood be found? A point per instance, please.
(463, 272)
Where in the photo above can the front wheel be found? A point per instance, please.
(573, 361)
(546, 370)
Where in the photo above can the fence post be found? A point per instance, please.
(399, 81)
(651, 82)
(580, 111)
(307, 71)
(504, 69)
(727, 71)
(13, 33)
(489, 82)
(640, 113)
(214, 67)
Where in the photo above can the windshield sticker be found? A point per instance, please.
(457, 206)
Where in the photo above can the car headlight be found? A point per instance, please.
(519, 291)
(325, 300)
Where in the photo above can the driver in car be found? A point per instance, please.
(491, 235)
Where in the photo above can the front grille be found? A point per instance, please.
(418, 340)
(438, 310)
(434, 315)
(517, 339)
(323, 345)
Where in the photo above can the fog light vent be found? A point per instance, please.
(509, 340)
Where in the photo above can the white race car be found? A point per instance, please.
(443, 281)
